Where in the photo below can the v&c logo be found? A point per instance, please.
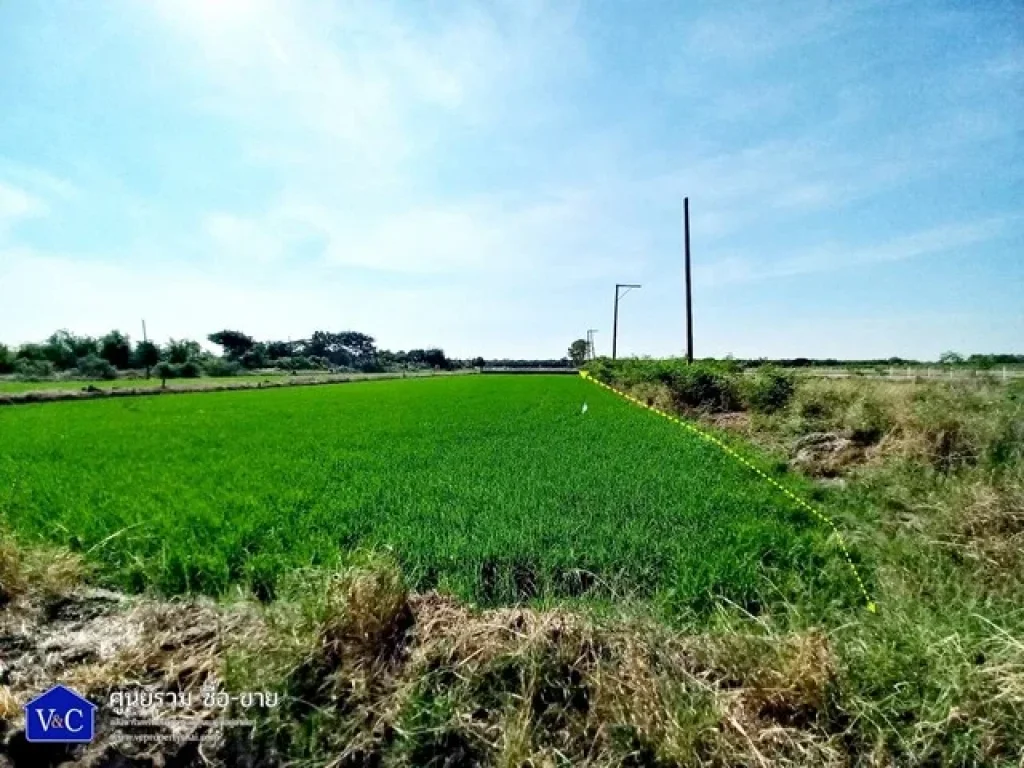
(60, 716)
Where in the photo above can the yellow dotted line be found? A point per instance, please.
(745, 462)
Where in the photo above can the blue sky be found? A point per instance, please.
(478, 176)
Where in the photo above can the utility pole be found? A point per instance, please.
(591, 354)
(145, 341)
(615, 322)
(689, 297)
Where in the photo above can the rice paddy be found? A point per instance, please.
(497, 488)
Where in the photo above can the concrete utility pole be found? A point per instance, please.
(689, 297)
(591, 353)
(615, 322)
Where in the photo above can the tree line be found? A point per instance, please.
(105, 356)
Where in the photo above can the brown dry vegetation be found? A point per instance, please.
(423, 680)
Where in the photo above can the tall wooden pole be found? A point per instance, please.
(615, 324)
(689, 297)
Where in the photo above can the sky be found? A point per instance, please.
(478, 176)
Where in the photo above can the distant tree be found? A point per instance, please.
(254, 357)
(234, 343)
(578, 352)
(478, 362)
(147, 354)
(951, 358)
(116, 349)
(347, 348)
(181, 351)
(982, 362)
(35, 352)
(6, 359)
(436, 358)
(277, 350)
(165, 371)
(64, 349)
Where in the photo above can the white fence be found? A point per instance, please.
(911, 372)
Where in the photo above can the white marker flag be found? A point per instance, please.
(584, 410)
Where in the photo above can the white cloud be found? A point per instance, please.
(537, 239)
(348, 86)
(241, 239)
(17, 204)
(731, 268)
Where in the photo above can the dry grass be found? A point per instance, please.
(41, 570)
(415, 678)
(374, 675)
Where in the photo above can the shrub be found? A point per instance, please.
(821, 403)
(33, 370)
(867, 421)
(190, 370)
(165, 370)
(255, 357)
(706, 384)
(218, 366)
(299, 363)
(768, 390)
(95, 367)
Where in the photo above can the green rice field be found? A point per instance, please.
(494, 487)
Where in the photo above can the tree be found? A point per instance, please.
(578, 352)
(147, 354)
(982, 362)
(36, 352)
(276, 350)
(181, 351)
(6, 359)
(478, 362)
(255, 357)
(347, 348)
(436, 358)
(234, 343)
(116, 349)
(165, 371)
(64, 349)
(951, 358)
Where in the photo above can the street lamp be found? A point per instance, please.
(615, 323)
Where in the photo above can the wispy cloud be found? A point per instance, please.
(726, 269)
(17, 204)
